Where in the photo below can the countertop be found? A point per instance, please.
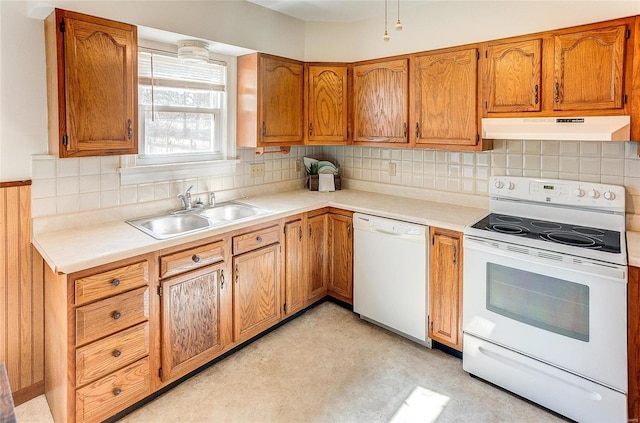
(633, 248)
(68, 249)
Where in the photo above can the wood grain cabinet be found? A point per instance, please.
(326, 103)
(445, 100)
(270, 101)
(633, 343)
(256, 282)
(381, 103)
(445, 288)
(92, 76)
(340, 283)
(294, 266)
(318, 254)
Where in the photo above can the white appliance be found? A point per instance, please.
(545, 295)
(390, 283)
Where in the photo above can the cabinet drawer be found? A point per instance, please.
(102, 357)
(190, 259)
(113, 393)
(112, 282)
(256, 239)
(108, 316)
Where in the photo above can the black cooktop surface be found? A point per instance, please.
(559, 233)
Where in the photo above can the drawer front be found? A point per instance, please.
(256, 239)
(102, 357)
(113, 393)
(111, 282)
(190, 259)
(109, 316)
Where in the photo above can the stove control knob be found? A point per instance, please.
(510, 186)
(499, 184)
(594, 194)
(579, 192)
(608, 195)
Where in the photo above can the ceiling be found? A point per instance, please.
(336, 10)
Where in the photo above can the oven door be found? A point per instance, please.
(563, 310)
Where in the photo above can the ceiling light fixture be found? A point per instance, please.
(386, 33)
(398, 23)
(193, 50)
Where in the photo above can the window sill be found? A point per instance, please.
(131, 175)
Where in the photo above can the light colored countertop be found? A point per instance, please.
(633, 248)
(69, 247)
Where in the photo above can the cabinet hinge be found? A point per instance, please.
(62, 27)
(160, 372)
(486, 104)
(285, 230)
(628, 34)
(285, 307)
(160, 291)
(433, 240)
(477, 138)
(624, 99)
(477, 55)
(65, 140)
(486, 54)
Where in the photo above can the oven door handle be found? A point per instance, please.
(608, 271)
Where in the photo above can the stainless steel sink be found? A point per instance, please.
(174, 224)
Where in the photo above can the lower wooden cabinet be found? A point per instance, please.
(445, 288)
(633, 342)
(318, 265)
(340, 284)
(294, 266)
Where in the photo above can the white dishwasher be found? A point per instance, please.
(390, 279)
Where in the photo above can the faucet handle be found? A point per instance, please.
(212, 199)
(189, 190)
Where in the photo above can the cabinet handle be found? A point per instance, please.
(349, 231)
(404, 129)
(117, 353)
(236, 273)
(221, 279)
(310, 128)
(116, 315)
(557, 93)
(535, 91)
(310, 231)
(417, 130)
(258, 239)
(264, 129)
(115, 282)
(195, 258)
(129, 129)
(455, 255)
(117, 392)
(300, 237)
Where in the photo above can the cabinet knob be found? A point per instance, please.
(117, 392)
(117, 353)
(259, 239)
(195, 258)
(116, 315)
(115, 282)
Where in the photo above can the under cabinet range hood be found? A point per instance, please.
(588, 128)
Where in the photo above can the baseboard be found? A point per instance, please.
(30, 392)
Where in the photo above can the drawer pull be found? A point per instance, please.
(115, 282)
(117, 392)
(117, 353)
(259, 239)
(116, 315)
(221, 279)
(195, 258)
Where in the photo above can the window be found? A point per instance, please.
(182, 109)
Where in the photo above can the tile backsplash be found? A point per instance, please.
(68, 185)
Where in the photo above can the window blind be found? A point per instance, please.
(164, 70)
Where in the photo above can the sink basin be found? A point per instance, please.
(170, 225)
(230, 212)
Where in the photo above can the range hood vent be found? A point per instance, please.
(589, 128)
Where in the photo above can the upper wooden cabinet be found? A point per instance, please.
(588, 69)
(270, 101)
(445, 99)
(92, 74)
(327, 103)
(381, 103)
(513, 81)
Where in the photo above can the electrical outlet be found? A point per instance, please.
(392, 169)
(257, 170)
(299, 165)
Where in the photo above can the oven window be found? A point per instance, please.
(547, 303)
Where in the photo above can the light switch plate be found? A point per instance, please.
(257, 170)
(392, 169)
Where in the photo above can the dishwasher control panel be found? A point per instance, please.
(393, 226)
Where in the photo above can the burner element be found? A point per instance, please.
(572, 238)
(588, 231)
(545, 225)
(508, 229)
(509, 219)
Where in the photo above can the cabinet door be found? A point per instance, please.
(341, 257)
(327, 104)
(100, 87)
(191, 316)
(294, 275)
(281, 100)
(446, 86)
(256, 292)
(589, 69)
(318, 258)
(445, 288)
(381, 102)
(513, 78)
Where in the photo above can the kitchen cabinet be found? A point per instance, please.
(381, 103)
(99, 334)
(513, 81)
(633, 342)
(92, 86)
(270, 101)
(327, 103)
(256, 285)
(445, 288)
(294, 266)
(318, 263)
(445, 99)
(340, 283)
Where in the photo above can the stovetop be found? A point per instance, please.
(554, 232)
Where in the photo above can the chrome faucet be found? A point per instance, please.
(186, 198)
